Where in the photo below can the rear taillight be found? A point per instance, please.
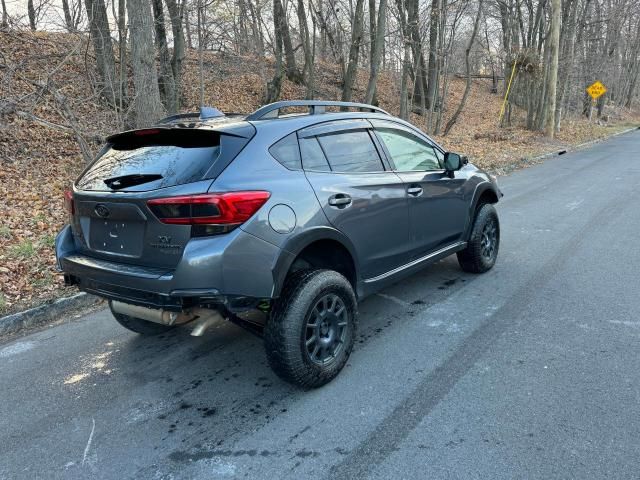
(68, 202)
(220, 209)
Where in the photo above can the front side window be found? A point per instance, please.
(351, 151)
(408, 152)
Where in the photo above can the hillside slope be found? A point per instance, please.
(39, 160)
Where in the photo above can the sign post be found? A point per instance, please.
(595, 90)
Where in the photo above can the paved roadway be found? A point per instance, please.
(529, 371)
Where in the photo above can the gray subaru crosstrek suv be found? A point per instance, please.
(278, 222)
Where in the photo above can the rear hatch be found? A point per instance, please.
(111, 198)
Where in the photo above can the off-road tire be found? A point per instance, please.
(285, 335)
(474, 258)
(138, 325)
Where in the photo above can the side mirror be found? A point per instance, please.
(452, 162)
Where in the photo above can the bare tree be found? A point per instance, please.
(552, 79)
(376, 51)
(31, 12)
(176, 14)
(354, 50)
(166, 82)
(452, 121)
(122, 53)
(307, 47)
(147, 105)
(406, 61)
(275, 84)
(101, 38)
(72, 14)
(5, 16)
(36, 11)
(282, 26)
(200, 33)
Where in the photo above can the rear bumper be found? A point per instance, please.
(232, 269)
(174, 301)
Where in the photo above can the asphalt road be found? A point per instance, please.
(529, 371)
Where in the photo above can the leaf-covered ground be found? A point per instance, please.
(38, 162)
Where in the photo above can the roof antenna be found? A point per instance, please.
(209, 112)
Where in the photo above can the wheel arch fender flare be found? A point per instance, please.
(484, 190)
(296, 244)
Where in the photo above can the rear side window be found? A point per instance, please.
(351, 151)
(312, 155)
(155, 158)
(287, 152)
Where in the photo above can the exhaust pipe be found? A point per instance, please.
(205, 319)
(165, 317)
(202, 318)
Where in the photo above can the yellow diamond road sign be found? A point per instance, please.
(596, 89)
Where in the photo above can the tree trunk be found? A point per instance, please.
(376, 52)
(633, 69)
(404, 93)
(281, 24)
(101, 38)
(432, 72)
(568, 34)
(420, 69)
(274, 86)
(123, 88)
(147, 105)
(187, 26)
(372, 28)
(307, 71)
(31, 11)
(554, 43)
(467, 88)
(166, 83)
(5, 16)
(256, 30)
(176, 14)
(354, 49)
(68, 20)
(200, 53)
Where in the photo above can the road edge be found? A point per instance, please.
(45, 314)
(531, 161)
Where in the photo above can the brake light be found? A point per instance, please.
(148, 131)
(231, 209)
(68, 202)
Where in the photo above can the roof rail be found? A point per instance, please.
(316, 107)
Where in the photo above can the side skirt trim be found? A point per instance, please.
(445, 251)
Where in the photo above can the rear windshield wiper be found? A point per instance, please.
(124, 181)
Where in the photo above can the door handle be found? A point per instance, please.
(339, 200)
(414, 190)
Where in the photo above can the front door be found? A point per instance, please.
(437, 210)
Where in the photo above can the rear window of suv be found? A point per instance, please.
(154, 158)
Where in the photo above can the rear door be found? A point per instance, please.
(112, 218)
(359, 196)
(437, 209)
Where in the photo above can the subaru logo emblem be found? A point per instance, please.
(102, 210)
